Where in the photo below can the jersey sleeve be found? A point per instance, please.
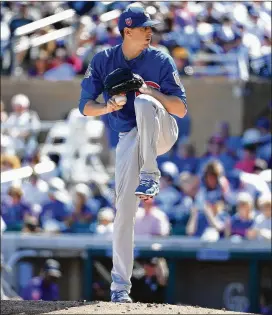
(170, 81)
(92, 84)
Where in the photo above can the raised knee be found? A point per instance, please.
(143, 101)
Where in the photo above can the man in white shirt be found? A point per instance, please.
(105, 221)
(22, 126)
(35, 190)
(262, 226)
(150, 220)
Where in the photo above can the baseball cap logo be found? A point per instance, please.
(128, 21)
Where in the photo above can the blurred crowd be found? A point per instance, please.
(189, 31)
(225, 192)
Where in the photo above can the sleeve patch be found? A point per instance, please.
(177, 80)
(88, 72)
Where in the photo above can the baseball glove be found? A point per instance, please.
(121, 81)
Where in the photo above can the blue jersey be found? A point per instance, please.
(155, 67)
(38, 290)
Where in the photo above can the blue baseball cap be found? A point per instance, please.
(135, 17)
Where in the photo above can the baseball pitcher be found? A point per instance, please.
(142, 90)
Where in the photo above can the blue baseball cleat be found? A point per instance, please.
(120, 297)
(147, 188)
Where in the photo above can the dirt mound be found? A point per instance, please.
(69, 307)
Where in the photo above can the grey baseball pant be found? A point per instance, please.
(136, 155)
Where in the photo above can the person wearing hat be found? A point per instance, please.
(23, 126)
(57, 209)
(82, 215)
(261, 228)
(145, 125)
(149, 283)
(212, 218)
(169, 195)
(243, 219)
(45, 286)
(105, 219)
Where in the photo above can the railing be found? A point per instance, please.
(232, 65)
(20, 42)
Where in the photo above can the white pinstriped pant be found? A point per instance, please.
(136, 155)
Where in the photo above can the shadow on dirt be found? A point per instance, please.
(12, 307)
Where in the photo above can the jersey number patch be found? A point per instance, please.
(177, 80)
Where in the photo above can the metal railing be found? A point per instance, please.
(233, 65)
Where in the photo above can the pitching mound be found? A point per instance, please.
(69, 307)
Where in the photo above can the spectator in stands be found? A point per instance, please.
(186, 159)
(105, 221)
(148, 284)
(150, 220)
(216, 149)
(183, 14)
(250, 41)
(261, 228)
(259, 166)
(44, 287)
(209, 223)
(56, 211)
(190, 25)
(263, 125)
(15, 211)
(81, 7)
(23, 126)
(241, 181)
(248, 159)
(98, 198)
(214, 182)
(224, 35)
(266, 301)
(181, 58)
(250, 141)
(4, 115)
(156, 41)
(210, 14)
(31, 225)
(48, 48)
(40, 65)
(113, 38)
(9, 162)
(169, 195)
(59, 68)
(179, 216)
(264, 146)
(4, 44)
(62, 56)
(22, 18)
(82, 215)
(244, 218)
(35, 190)
(2, 266)
(7, 147)
(232, 143)
(254, 24)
